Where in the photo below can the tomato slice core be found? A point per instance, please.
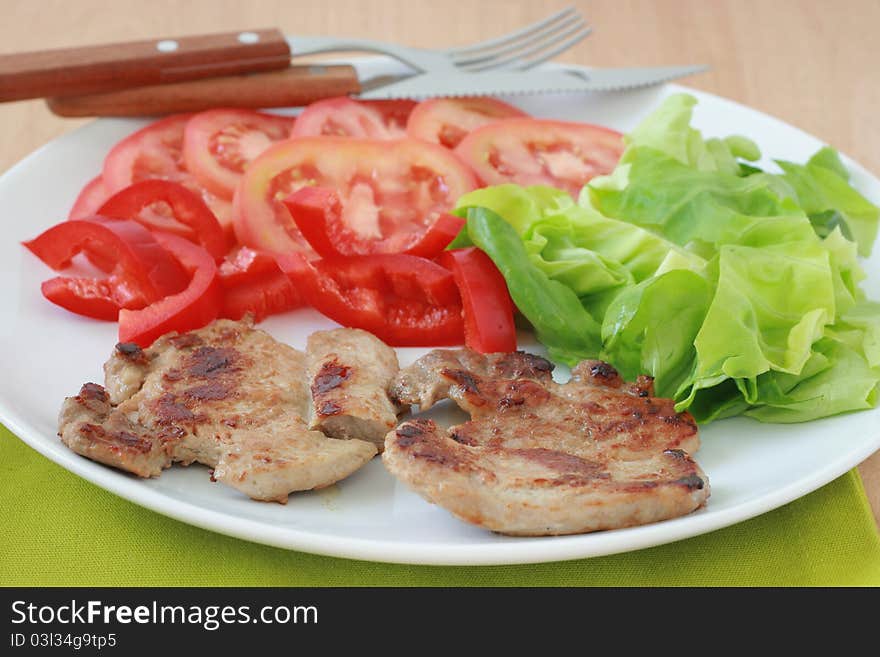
(219, 144)
(318, 214)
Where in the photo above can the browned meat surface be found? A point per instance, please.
(350, 372)
(540, 458)
(421, 384)
(227, 396)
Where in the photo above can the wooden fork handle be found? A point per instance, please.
(93, 69)
(293, 87)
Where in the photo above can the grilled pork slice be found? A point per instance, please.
(350, 372)
(541, 458)
(228, 396)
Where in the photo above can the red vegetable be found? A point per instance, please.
(446, 121)
(344, 117)
(197, 305)
(488, 310)
(253, 283)
(539, 152)
(186, 207)
(219, 144)
(156, 151)
(317, 212)
(402, 299)
(142, 270)
(91, 197)
(386, 187)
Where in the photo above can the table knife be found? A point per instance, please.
(299, 85)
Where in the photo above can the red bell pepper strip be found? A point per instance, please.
(142, 270)
(488, 310)
(194, 307)
(253, 283)
(186, 206)
(317, 212)
(405, 300)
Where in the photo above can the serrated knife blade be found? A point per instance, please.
(507, 83)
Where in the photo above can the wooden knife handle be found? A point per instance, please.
(293, 87)
(92, 69)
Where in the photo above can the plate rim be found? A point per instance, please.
(514, 551)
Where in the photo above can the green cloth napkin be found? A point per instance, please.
(60, 530)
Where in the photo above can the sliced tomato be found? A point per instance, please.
(538, 152)
(220, 143)
(344, 117)
(386, 187)
(195, 306)
(156, 151)
(488, 309)
(253, 284)
(142, 271)
(317, 212)
(404, 300)
(186, 207)
(90, 198)
(446, 121)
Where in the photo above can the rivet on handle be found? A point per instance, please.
(168, 45)
(249, 37)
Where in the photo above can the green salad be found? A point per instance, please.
(737, 289)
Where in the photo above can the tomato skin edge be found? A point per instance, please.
(196, 306)
(402, 275)
(188, 208)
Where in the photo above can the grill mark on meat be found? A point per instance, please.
(329, 408)
(561, 462)
(209, 391)
(92, 392)
(419, 439)
(116, 439)
(331, 375)
(462, 439)
(605, 373)
(410, 432)
(170, 411)
(462, 378)
(132, 353)
(211, 362)
(692, 482)
(186, 340)
(525, 366)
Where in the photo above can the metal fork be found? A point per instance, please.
(517, 51)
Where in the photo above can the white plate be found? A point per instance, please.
(46, 354)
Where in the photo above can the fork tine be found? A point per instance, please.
(511, 36)
(550, 54)
(525, 42)
(521, 60)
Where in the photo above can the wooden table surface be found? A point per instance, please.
(810, 63)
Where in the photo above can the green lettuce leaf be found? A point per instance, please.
(822, 189)
(651, 328)
(737, 289)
